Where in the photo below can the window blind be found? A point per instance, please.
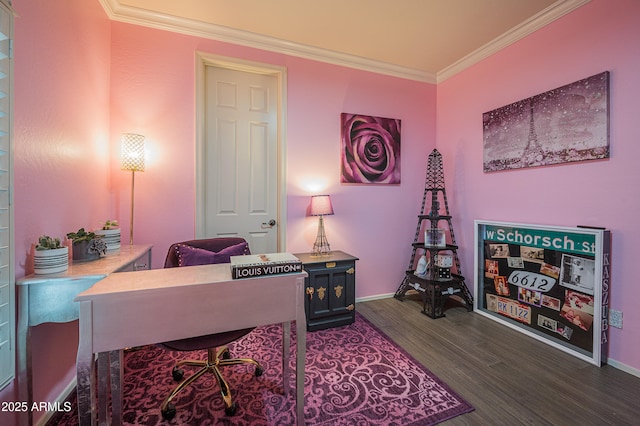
(7, 275)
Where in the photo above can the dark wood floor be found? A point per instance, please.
(509, 378)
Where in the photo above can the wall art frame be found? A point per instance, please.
(563, 125)
(370, 149)
(551, 283)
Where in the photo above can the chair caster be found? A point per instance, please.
(231, 411)
(178, 374)
(226, 354)
(259, 371)
(169, 413)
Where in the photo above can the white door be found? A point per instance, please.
(240, 147)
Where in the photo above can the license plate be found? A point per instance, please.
(509, 308)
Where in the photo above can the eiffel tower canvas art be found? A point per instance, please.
(567, 124)
(533, 152)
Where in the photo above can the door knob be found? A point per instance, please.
(271, 223)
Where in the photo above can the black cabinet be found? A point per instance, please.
(330, 289)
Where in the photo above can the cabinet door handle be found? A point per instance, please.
(321, 292)
(338, 290)
(310, 291)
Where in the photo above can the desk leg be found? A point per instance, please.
(110, 384)
(86, 387)
(103, 384)
(115, 362)
(301, 348)
(286, 350)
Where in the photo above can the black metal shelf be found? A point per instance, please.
(439, 283)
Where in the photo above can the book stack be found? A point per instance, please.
(256, 265)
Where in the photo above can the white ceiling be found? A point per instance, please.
(426, 40)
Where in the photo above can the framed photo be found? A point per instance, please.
(370, 149)
(551, 283)
(435, 237)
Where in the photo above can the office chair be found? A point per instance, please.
(201, 252)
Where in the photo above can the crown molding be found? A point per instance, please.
(128, 14)
(122, 13)
(543, 18)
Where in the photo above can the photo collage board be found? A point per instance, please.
(551, 283)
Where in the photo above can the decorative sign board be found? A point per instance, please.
(551, 283)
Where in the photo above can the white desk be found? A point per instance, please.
(49, 298)
(146, 307)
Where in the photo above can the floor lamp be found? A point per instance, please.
(321, 206)
(132, 158)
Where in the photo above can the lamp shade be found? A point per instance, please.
(321, 205)
(132, 154)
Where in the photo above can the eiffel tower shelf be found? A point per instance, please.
(442, 276)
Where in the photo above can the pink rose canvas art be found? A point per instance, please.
(370, 149)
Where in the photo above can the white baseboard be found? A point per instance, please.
(42, 421)
(379, 296)
(620, 366)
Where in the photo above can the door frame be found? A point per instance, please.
(204, 60)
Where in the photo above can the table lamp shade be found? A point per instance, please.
(321, 205)
(132, 152)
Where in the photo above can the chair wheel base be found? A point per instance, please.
(169, 413)
(178, 374)
(231, 411)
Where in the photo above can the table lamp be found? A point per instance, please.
(321, 206)
(132, 158)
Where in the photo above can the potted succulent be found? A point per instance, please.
(110, 233)
(87, 245)
(50, 256)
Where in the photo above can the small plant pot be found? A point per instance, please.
(51, 261)
(81, 252)
(111, 237)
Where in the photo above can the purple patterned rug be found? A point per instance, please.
(354, 376)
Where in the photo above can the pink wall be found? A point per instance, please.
(61, 126)
(152, 83)
(594, 38)
(81, 81)
(61, 121)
